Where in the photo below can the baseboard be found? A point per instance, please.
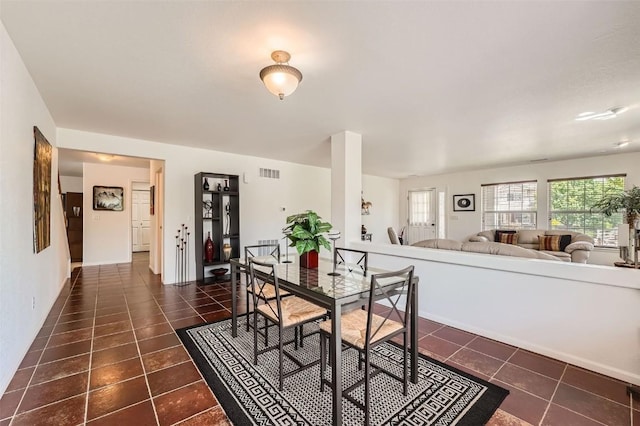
(590, 365)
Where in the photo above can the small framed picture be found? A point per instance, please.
(108, 198)
(464, 203)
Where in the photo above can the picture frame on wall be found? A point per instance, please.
(41, 191)
(464, 203)
(152, 200)
(108, 198)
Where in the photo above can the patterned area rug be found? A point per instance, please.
(249, 393)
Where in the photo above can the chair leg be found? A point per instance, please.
(246, 293)
(295, 338)
(406, 355)
(367, 371)
(301, 335)
(266, 332)
(281, 349)
(255, 337)
(323, 354)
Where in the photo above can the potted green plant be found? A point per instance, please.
(305, 231)
(613, 202)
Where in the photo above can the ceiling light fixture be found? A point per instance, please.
(105, 157)
(604, 115)
(281, 79)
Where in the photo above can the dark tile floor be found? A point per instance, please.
(107, 354)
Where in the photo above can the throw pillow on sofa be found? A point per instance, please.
(554, 242)
(499, 234)
(508, 238)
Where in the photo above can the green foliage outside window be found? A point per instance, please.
(571, 203)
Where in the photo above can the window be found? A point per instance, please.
(510, 205)
(570, 202)
(419, 204)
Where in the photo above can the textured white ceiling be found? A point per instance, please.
(70, 161)
(431, 86)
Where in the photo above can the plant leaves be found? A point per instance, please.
(306, 232)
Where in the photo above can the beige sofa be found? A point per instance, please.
(577, 251)
(486, 247)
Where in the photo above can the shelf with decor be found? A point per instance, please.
(217, 218)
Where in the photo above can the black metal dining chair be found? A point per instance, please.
(351, 258)
(252, 251)
(286, 313)
(364, 330)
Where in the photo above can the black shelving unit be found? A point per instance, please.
(223, 228)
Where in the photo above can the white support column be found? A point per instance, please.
(346, 184)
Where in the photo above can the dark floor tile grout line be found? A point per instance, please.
(546, 410)
(42, 406)
(24, 391)
(121, 409)
(144, 369)
(600, 396)
(93, 332)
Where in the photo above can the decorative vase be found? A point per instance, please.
(226, 185)
(309, 259)
(226, 249)
(363, 230)
(208, 249)
(206, 184)
(219, 187)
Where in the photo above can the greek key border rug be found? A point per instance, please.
(249, 393)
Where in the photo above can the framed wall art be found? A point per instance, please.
(41, 192)
(108, 198)
(464, 203)
(152, 200)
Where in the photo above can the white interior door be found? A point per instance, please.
(422, 215)
(140, 221)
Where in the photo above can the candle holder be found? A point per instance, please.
(286, 232)
(333, 236)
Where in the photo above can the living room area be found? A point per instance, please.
(482, 99)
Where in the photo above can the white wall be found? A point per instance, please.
(299, 188)
(107, 234)
(70, 184)
(383, 194)
(23, 274)
(460, 225)
(586, 315)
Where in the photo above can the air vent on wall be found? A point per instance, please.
(270, 173)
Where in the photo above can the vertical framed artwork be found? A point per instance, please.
(108, 198)
(464, 203)
(41, 192)
(152, 200)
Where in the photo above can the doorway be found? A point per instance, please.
(422, 215)
(140, 218)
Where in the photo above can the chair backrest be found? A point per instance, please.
(391, 287)
(264, 275)
(262, 250)
(351, 258)
(393, 236)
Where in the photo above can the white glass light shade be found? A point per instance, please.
(623, 235)
(281, 80)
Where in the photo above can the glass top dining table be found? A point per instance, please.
(347, 290)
